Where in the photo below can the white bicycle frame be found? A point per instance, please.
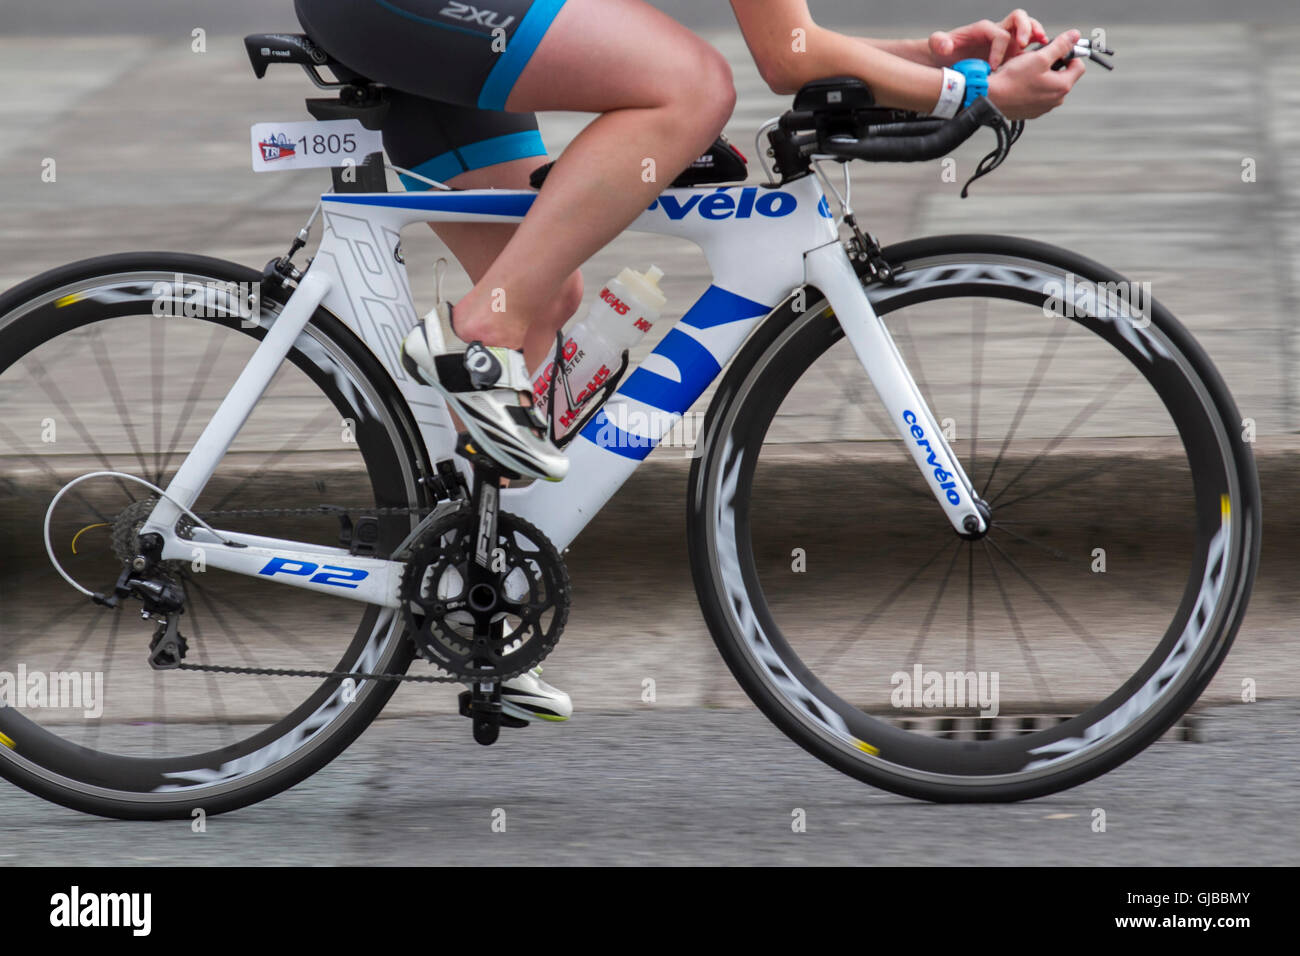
(746, 233)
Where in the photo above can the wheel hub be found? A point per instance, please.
(972, 532)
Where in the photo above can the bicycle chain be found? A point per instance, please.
(317, 511)
(371, 510)
(324, 675)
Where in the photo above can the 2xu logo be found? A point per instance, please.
(316, 573)
(469, 14)
(772, 204)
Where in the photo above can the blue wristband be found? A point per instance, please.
(977, 79)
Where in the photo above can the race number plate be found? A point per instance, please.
(312, 144)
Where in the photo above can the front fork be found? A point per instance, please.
(828, 269)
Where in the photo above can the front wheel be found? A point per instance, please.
(1124, 534)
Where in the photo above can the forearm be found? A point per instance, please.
(916, 50)
(895, 79)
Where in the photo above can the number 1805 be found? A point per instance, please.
(331, 143)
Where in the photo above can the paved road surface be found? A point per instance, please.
(687, 787)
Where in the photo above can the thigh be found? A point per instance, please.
(444, 141)
(444, 50)
(602, 55)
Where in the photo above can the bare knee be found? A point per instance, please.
(705, 96)
(698, 94)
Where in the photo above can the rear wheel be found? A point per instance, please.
(117, 364)
(1124, 534)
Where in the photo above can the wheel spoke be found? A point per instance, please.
(1073, 479)
(970, 608)
(114, 624)
(214, 685)
(42, 377)
(105, 365)
(1045, 357)
(241, 647)
(980, 321)
(928, 620)
(1025, 650)
(212, 352)
(1082, 632)
(157, 347)
(885, 603)
(303, 434)
(44, 467)
(1111, 389)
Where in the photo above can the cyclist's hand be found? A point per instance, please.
(986, 40)
(1027, 86)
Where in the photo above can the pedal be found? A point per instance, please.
(506, 719)
(361, 539)
(447, 483)
(466, 449)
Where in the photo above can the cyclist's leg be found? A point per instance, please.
(477, 245)
(664, 95)
(472, 148)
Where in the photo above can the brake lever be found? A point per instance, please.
(1083, 48)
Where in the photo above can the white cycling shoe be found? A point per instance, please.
(528, 697)
(489, 389)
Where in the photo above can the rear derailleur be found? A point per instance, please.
(145, 577)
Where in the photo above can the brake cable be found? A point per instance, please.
(1007, 134)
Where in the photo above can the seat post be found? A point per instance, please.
(369, 105)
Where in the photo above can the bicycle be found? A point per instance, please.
(436, 563)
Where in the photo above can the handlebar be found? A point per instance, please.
(837, 118)
(917, 141)
(887, 136)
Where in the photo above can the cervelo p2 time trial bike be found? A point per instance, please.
(937, 584)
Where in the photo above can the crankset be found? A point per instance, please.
(485, 597)
(484, 608)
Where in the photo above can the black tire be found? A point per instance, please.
(876, 749)
(323, 724)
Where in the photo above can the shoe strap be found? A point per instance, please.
(488, 367)
(481, 368)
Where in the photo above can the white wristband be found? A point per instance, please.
(951, 95)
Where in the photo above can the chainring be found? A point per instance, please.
(499, 627)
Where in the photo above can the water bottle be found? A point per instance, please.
(594, 347)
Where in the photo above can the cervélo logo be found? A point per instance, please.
(772, 204)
